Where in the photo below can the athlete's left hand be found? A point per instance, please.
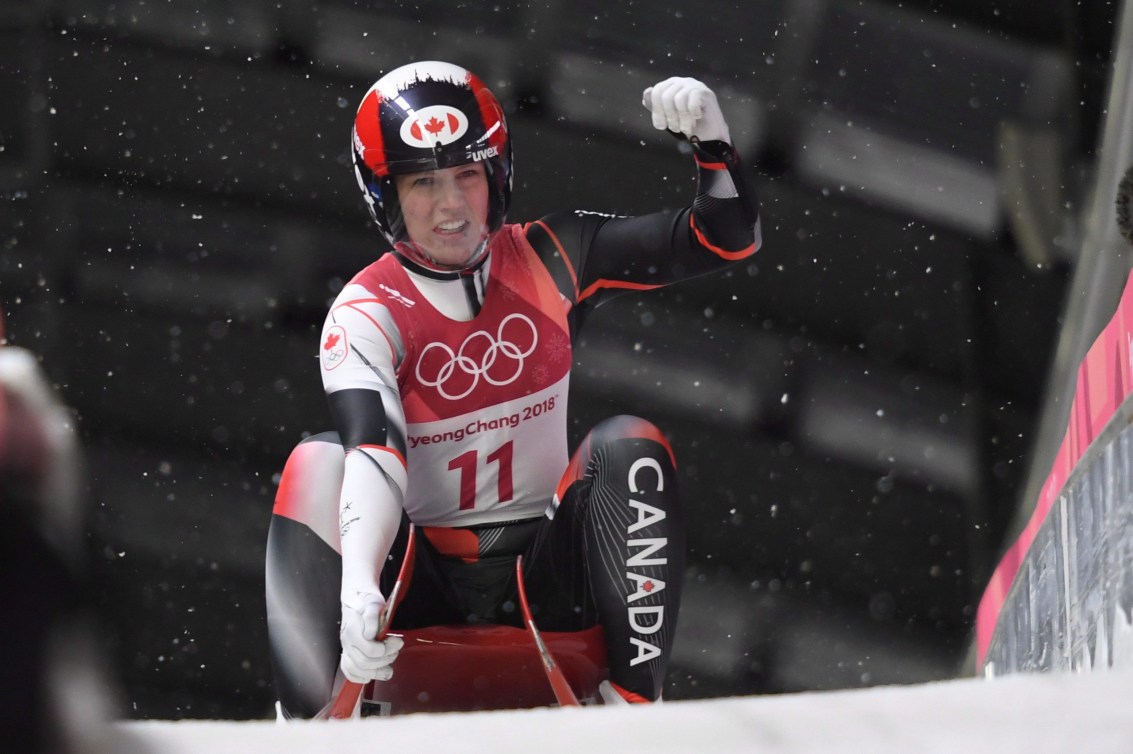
(686, 106)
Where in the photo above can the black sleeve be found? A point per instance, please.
(360, 418)
(593, 257)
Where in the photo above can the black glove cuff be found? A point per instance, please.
(721, 151)
(715, 151)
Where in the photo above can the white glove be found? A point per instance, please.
(363, 657)
(686, 106)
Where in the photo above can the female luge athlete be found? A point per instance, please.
(446, 365)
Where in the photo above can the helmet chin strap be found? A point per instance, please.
(418, 254)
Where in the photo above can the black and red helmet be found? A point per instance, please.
(428, 116)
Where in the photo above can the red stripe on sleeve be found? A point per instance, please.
(722, 253)
(710, 165)
(600, 284)
(562, 255)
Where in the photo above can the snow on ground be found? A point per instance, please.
(1037, 714)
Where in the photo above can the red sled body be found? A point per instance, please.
(463, 668)
(485, 667)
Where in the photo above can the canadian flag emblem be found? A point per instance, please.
(434, 126)
(333, 351)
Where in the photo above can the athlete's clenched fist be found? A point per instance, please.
(686, 106)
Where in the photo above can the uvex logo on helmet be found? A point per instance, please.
(433, 126)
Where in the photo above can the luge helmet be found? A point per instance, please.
(428, 116)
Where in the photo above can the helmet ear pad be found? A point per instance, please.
(498, 172)
(380, 195)
(384, 191)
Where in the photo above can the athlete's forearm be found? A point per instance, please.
(373, 486)
(370, 509)
(594, 257)
(725, 212)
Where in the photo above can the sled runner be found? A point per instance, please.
(477, 667)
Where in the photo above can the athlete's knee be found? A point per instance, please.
(633, 428)
(633, 470)
(310, 484)
(621, 427)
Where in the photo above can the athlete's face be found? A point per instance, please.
(446, 212)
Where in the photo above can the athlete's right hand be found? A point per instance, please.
(364, 658)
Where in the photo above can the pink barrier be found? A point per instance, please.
(1105, 378)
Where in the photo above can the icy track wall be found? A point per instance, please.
(1062, 597)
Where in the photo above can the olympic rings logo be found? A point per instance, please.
(497, 348)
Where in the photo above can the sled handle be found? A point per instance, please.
(343, 705)
(559, 684)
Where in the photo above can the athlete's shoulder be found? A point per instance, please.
(379, 270)
(382, 282)
(565, 229)
(567, 234)
(372, 310)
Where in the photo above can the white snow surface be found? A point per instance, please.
(1028, 714)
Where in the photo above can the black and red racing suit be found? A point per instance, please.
(448, 392)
